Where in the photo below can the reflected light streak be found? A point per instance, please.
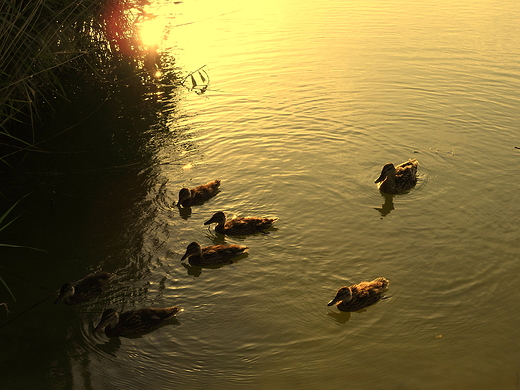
(152, 32)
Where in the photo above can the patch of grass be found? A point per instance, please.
(43, 41)
(4, 226)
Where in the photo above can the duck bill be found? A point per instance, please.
(185, 256)
(209, 221)
(333, 302)
(99, 327)
(380, 178)
(58, 300)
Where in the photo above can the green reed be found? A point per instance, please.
(43, 41)
(3, 225)
(44, 44)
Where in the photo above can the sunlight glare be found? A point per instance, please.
(152, 31)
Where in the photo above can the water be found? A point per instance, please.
(306, 102)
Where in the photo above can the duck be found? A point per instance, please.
(213, 254)
(133, 321)
(73, 293)
(361, 295)
(398, 179)
(239, 226)
(198, 195)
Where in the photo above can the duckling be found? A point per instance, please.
(213, 254)
(73, 293)
(198, 195)
(395, 180)
(134, 321)
(361, 295)
(239, 226)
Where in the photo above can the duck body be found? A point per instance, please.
(359, 296)
(398, 179)
(73, 293)
(198, 195)
(239, 226)
(213, 254)
(134, 321)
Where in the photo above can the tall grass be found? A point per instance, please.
(42, 41)
(4, 225)
(45, 42)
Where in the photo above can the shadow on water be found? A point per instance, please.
(110, 347)
(113, 344)
(340, 317)
(95, 185)
(184, 212)
(196, 270)
(219, 238)
(343, 317)
(387, 206)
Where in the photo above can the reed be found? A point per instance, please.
(43, 41)
(4, 225)
(44, 44)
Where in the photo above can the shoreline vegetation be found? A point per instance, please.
(46, 43)
(52, 53)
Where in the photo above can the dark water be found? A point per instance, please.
(306, 103)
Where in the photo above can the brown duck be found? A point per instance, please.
(213, 254)
(398, 179)
(134, 321)
(361, 295)
(239, 226)
(73, 293)
(198, 195)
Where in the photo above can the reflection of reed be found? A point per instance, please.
(387, 206)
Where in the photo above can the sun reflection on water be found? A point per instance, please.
(152, 31)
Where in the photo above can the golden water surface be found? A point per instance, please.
(306, 101)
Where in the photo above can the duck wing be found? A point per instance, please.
(247, 225)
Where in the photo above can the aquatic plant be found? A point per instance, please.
(197, 81)
(44, 41)
(4, 226)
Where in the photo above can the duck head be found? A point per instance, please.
(184, 194)
(388, 170)
(219, 218)
(192, 249)
(109, 318)
(344, 294)
(67, 291)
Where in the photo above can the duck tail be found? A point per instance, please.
(413, 163)
(383, 282)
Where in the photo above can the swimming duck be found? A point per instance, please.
(213, 254)
(73, 293)
(394, 180)
(198, 195)
(361, 295)
(239, 226)
(134, 321)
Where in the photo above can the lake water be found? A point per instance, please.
(306, 102)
